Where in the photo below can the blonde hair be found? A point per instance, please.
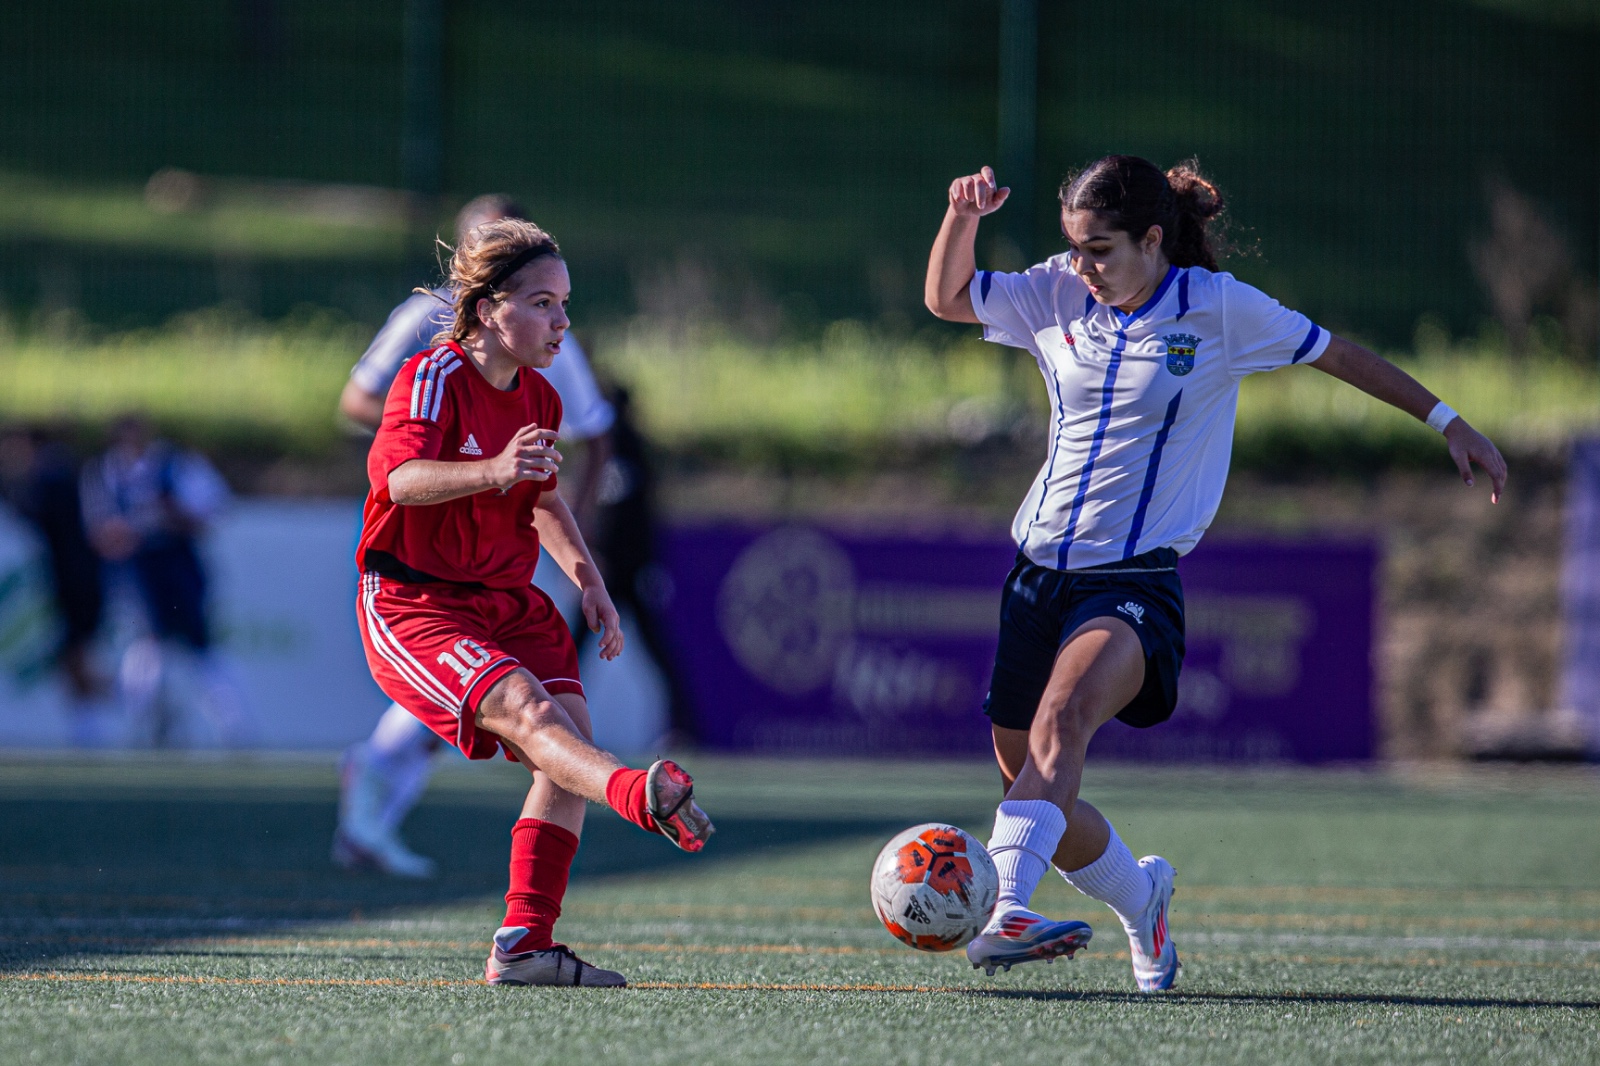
(483, 264)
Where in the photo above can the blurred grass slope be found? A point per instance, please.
(215, 380)
(876, 397)
(856, 399)
(279, 221)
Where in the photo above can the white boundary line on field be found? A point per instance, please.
(1434, 943)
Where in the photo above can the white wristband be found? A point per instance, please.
(1441, 416)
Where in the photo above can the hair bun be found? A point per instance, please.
(1197, 194)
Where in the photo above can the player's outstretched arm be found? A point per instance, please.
(360, 406)
(558, 533)
(530, 456)
(1376, 376)
(952, 262)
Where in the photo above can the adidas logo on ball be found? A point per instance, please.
(934, 887)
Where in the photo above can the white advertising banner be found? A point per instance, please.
(282, 594)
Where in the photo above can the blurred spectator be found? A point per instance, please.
(145, 504)
(39, 477)
(625, 546)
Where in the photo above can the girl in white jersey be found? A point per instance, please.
(1142, 344)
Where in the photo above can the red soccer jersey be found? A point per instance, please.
(441, 407)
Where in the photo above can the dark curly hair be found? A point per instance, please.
(1132, 194)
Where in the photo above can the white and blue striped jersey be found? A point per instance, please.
(1142, 404)
(410, 329)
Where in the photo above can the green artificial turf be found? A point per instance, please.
(170, 910)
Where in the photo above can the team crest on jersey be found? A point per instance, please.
(1180, 352)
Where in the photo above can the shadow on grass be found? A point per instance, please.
(139, 874)
(1284, 999)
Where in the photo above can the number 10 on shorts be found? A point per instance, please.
(468, 658)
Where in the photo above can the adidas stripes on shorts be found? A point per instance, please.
(436, 649)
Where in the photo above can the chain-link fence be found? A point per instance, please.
(797, 151)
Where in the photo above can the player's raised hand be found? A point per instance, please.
(1468, 446)
(530, 455)
(976, 195)
(601, 616)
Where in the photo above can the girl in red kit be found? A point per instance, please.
(463, 475)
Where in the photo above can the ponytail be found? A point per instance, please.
(1198, 202)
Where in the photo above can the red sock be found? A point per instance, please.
(541, 856)
(625, 794)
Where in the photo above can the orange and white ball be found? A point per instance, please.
(934, 887)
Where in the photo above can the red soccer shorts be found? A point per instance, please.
(436, 649)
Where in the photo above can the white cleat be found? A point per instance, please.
(386, 855)
(362, 841)
(555, 965)
(1020, 935)
(1155, 956)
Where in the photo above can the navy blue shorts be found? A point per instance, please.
(172, 584)
(1042, 607)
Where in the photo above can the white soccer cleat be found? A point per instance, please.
(1020, 935)
(362, 840)
(670, 795)
(1155, 956)
(386, 854)
(555, 965)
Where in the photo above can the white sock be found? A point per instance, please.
(225, 703)
(397, 732)
(400, 753)
(1114, 879)
(1026, 833)
(407, 781)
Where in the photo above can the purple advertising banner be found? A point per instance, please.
(1279, 659)
(800, 639)
(1580, 589)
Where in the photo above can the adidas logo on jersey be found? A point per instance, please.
(471, 447)
(1132, 610)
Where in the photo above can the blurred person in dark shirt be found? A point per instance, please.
(39, 477)
(146, 503)
(625, 548)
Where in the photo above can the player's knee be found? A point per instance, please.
(539, 714)
(1069, 718)
(521, 712)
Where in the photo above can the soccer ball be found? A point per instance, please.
(934, 887)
